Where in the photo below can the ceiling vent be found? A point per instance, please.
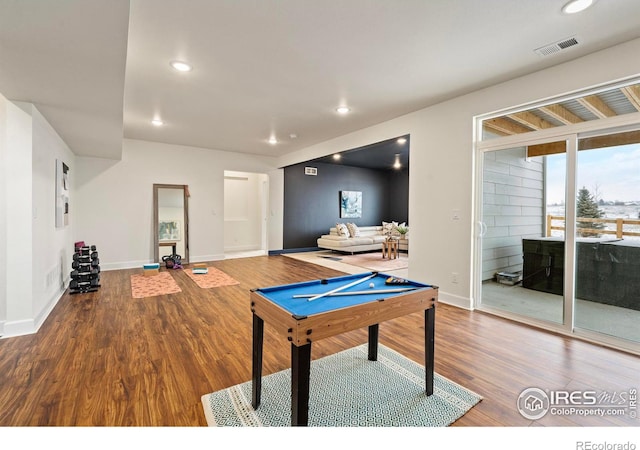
(557, 46)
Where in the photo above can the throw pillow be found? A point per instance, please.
(387, 227)
(342, 230)
(354, 231)
(398, 225)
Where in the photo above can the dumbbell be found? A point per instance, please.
(79, 265)
(77, 273)
(95, 262)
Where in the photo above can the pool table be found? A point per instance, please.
(313, 310)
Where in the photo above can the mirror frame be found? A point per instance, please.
(156, 243)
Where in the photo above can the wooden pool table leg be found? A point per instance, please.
(300, 370)
(256, 361)
(373, 342)
(429, 347)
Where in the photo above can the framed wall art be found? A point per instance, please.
(350, 204)
(62, 194)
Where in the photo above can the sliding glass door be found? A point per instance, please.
(522, 231)
(607, 271)
(559, 235)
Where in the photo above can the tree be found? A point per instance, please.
(587, 207)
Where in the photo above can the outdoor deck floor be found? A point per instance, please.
(593, 316)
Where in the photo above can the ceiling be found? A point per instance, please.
(98, 70)
(378, 156)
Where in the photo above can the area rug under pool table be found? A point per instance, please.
(348, 390)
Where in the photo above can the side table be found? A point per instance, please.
(390, 249)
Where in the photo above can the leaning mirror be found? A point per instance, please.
(171, 221)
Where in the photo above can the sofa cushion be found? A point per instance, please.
(388, 227)
(391, 228)
(338, 242)
(354, 231)
(342, 230)
(334, 237)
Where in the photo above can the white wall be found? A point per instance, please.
(114, 199)
(35, 251)
(442, 160)
(20, 311)
(4, 105)
(52, 247)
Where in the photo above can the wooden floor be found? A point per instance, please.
(105, 358)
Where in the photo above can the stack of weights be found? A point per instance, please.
(85, 276)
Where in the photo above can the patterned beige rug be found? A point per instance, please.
(214, 278)
(161, 284)
(374, 261)
(347, 390)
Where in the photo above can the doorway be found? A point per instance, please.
(559, 236)
(246, 199)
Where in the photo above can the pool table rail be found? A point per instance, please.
(301, 330)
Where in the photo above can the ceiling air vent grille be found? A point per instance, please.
(557, 46)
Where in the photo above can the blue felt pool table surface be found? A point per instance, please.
(283, 295)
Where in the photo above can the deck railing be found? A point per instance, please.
(619, 231)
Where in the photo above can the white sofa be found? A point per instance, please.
(370, 238)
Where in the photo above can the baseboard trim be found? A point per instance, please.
(293, 250)
(139, 264)
(31, 326)
(455, 300)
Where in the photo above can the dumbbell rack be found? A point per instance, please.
(85, 276)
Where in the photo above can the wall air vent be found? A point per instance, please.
(557, 46)
(313, 171)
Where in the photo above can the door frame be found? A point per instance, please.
(571, 134)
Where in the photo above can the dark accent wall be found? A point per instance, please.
(397, 196)
(311, 203)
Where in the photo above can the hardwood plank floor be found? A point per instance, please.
(107, 359)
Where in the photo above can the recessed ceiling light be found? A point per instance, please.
(273, 140)
(157, 122)
(181, 66)
(337, 156)
(343, 109)
(401, 140)
(575, 6)
(396, 164)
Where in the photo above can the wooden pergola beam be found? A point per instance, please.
(530, 120)
(633, 95)
(561, 114)
(595, 104)
(505, 127)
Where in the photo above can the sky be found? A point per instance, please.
(615, 171)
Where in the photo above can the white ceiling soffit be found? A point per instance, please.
(273, 67)
(68, 58)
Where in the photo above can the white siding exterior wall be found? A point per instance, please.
(513, 208)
